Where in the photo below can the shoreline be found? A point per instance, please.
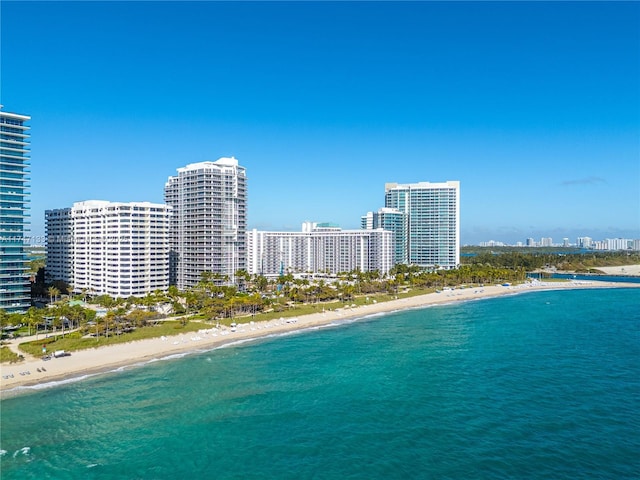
(97, 361)
(618, 271)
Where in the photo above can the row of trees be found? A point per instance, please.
(533, 260)
(214, 299)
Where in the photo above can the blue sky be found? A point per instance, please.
(533, 107)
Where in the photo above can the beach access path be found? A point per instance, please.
(108, 358)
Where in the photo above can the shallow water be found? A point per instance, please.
(537, 385)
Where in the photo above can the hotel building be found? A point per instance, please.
(429, 233)
(15, 288)
(109, 248)
(319, 248)
(209, 221)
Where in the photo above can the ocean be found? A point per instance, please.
(540, 385)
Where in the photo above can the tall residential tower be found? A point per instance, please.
(432, 225)
(15, 290)
(425, 219)
(209, 221)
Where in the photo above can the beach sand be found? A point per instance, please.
(109, 358)
(633, 270)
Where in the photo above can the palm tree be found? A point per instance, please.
(53, 293)
(242, 279)
(109, 316)
(173, 293)
(77, 315)
(33, 318)
(4, 316)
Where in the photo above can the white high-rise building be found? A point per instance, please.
(59, 245)
(389, 219)
(209, 221)
(432, 226)
(584, 242)
(109, 248)
(320, 248)
(618, 243)
(546, 242)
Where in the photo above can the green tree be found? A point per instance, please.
(53, 293)
(4, 320)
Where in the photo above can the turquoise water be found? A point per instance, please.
(533, 386)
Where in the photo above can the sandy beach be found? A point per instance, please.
(633, 270)
(41, 374)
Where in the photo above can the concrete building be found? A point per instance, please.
(393, 220)
(109, 248)
(59, 245)
(431, 229)
(546, 242)
(319, 248)
(492, 243)
(618, 243)
(209, 221)
(15, 288)
(584, 242)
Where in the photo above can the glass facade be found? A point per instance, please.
(431, 228)
(395, 221)
(15, 289)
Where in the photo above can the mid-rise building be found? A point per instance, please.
(431, 227)
(209, 221)
(15, 288)
(320, 248)
(492, 243)
(109, 248)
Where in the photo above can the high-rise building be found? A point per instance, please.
(431, 229)
(584, 242)
(546, 242)
(618, 243)
(390, 219)
(109, 248)
(15, 290)
(209, 221)
(319, 248)
(59, 242)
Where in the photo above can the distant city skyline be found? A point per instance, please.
(579, 242)
(533, 107)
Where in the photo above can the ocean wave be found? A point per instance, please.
(22, 451)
